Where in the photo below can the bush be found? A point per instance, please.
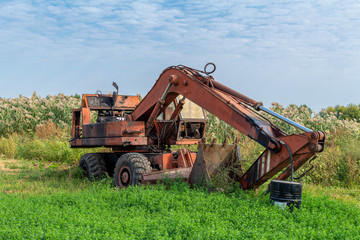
(339, 164)
(52, 149)
(350, 112)
(8, 145)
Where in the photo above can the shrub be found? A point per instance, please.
(55, 150)
(8, 145)
(350, 112)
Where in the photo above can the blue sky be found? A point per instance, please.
(301, 52)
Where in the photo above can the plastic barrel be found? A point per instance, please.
(286, 193)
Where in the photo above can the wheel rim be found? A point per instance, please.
(124, 177)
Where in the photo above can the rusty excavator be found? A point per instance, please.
(139, 133)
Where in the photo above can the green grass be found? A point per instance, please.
(42, 200)
(349, 195)
(178, 213)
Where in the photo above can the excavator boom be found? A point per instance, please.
(239, 111)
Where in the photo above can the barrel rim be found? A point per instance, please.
(286, 182)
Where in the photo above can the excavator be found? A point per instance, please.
(143, 133)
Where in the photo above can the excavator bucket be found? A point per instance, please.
(216, 162)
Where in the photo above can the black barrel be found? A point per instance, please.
(286, 192)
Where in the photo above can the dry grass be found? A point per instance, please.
(25, 178)
(10, 166)
(48, 129)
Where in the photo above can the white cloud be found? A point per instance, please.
(306, 38)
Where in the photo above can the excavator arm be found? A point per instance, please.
(239, 111)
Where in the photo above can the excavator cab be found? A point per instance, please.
(193, 121)
(189, 125)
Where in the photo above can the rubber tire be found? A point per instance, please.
(135, 164)
(94, 166)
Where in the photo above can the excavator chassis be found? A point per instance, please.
(203, 166)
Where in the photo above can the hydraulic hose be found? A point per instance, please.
(291, 160)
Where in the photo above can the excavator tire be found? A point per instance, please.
(129, 169)
(94, 166)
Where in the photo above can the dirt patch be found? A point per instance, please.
(16, 166)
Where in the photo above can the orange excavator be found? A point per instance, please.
(141, 133)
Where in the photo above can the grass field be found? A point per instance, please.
(44, 195)
(44, 200)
